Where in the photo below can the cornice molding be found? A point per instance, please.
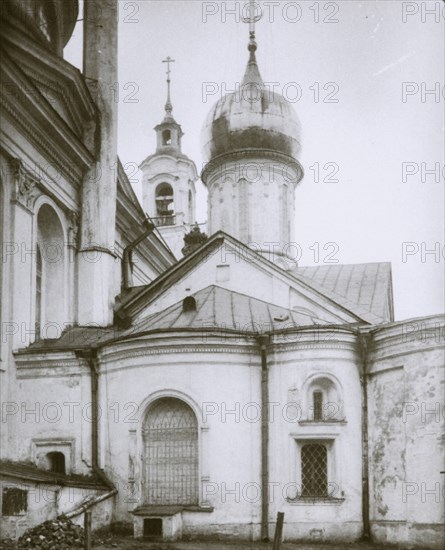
(61, 146)
(111, 356)
(52, 70)
(40, 141)
(262, 154)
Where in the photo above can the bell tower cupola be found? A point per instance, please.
(169, 132)
(168, 180)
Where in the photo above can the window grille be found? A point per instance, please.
(171, 454)
(314, 470)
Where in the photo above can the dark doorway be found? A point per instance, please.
(56, 462)
(153, 528)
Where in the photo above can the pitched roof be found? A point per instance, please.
(29, 472)
(219, 308)
(374, 283)
(368, 286)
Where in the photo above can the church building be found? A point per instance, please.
(192, 391)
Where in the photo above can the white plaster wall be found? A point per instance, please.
(226, 384)
(291, 368)
(406, 421)
(211, 379)
(55, 404)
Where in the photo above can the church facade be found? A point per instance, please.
(193, 396)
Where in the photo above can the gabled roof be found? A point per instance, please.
(376, 283)
(368, 286)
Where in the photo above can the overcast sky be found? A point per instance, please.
(359, 53)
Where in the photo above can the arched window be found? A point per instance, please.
(56, 462)
(318, 405)
(314, 470)
(189, 304)
(49, 274)
(166, 137)
(39, 276)
(323, 400)
(164, 200)
(170, 453)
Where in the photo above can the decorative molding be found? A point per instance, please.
(216, 162)
(315, 345)
(124, 354)
(377, 356)
(24, 184)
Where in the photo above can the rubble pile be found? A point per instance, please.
(53, 535)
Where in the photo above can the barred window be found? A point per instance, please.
(314, 470)
(318, 405)
(171, 453)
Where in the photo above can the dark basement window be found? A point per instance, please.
(14, 501)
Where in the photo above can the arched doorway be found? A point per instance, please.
(170, 466)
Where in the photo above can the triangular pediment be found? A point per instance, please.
(225, 262)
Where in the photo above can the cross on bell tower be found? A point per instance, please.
(168, 104)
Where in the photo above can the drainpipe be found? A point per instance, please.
(126, 257)
(363, 344)
(91, 357)
(263, 342)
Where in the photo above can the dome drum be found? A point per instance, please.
(270, 162)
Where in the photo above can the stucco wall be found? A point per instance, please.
(297, 362)
(211, 379)
(406, 420)
(222, 383)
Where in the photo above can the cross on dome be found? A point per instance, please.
(254, 15)
(168, 105)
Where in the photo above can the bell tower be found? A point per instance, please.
(168, 180)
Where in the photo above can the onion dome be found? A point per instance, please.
(253, 118)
